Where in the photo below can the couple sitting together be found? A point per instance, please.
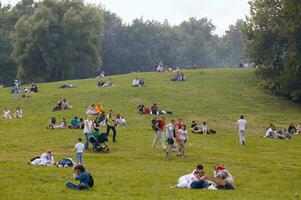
(154, 110)
(31, 89)
(102, 83)
(179, 76)
(62, 105)
(138, 83)
(95, 109)
(222, 179)
(53, 124)
(201, 129)
(271, 132)
(17, 115)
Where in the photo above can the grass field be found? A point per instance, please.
(263, 169)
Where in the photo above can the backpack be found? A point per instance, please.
(91, 181)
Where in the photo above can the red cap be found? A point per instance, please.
(219, 167)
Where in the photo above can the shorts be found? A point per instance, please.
(170, 141)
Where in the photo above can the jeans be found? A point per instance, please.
(200, 184)
(79, 158)
(114, 132)
(81, 186)
(87, 136)
(242, 137)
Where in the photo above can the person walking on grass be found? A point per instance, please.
(158, 126)
(88, 128)
(182, 138)
(111, 124)
(79, 148)
(170, 138)
(242, 127)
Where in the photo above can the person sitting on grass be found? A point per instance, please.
(109, 83)
(204, 128)
(141, 82)
(101, 83)
(222, 173)
(6, 113)
(66, 162)
(199, 181)
(270, 132)
(85, 179)
(155, 109)
(51, 123)
(292, 129)
(81, 123)
(99, 109)
(91, 110)
(195, 128)
(34, 88)
(74, 123)
(45, 159)
(62, 105)
(18, 113)
(120, 121)
(141, 108)
(62, 125)
(136, 83)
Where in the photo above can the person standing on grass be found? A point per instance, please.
(87, 130)
(159, 135)
(110, 121)
(242, 127)
(79, 148)
(170, 129)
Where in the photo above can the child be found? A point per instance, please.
(79, 148)
(182, 138)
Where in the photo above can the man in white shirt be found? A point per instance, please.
(185, 181)
(242, 127)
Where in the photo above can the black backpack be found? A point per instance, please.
(91, 181)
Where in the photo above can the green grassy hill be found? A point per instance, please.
(263, 169)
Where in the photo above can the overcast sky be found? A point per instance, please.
(222, 12)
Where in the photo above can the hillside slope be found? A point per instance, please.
(263, 169)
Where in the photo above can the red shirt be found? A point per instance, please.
(161, 124)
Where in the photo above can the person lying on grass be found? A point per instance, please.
(66, 162)
(46, 159)
(85, 179)
(199, 181)
(62, 125)
(271, 132)
(184, 181)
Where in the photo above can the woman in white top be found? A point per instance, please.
(18, 113)
(182, 138)
(87, 130)
(6, 114)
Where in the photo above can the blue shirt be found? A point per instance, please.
(74, 122)
(83, 178)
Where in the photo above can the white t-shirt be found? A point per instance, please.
(182, 135)
(269, 133)
(170, 130)
(79, 147)
(88, 126)
(242, 124)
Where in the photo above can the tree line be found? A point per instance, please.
(54, 40)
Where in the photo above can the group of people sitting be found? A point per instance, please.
(16, 115)
(102, 83)
(201, 129)
(221, 179)
(179, 76)
(62, 105)
(138, 82)
(154, 110)
(30, 89)
(287, 134)
(162, 68)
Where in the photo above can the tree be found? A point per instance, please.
(274, 44)
(58, 40)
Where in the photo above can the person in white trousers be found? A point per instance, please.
(242, 127)
(159, 134)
